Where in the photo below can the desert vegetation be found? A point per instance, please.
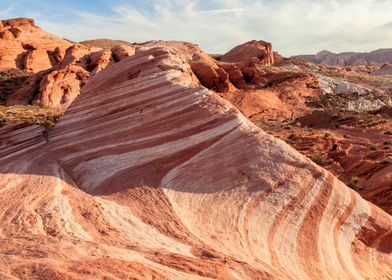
(29, 114)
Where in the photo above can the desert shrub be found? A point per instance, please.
(318, 160)
(29, 114)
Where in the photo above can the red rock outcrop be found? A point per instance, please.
(25, 46)
(244, 64)
(37, 60)
(253, 52)
(283, 98)
(150, 176)
(60, 85)
(122, 51)
(240, 68)
(205, 67)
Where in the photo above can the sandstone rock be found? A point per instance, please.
(106, 44)
(149, 175)
(37, 60)
(76, 54)
(58, 54)
(15, 31)
(283, 98)
(11, 54)
(210, 74)
(60, 87)
(122, 51)
(18, 22)
(18, 37)
(253, 52)
(7, 35)
(100, 60)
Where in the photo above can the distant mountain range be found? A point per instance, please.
(374, 58)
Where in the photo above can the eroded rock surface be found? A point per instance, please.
(246, 73)
(23, 45)
(60, 85)
(337, 116)
(150, 175)
(252, 52)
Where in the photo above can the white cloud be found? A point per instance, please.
(293, 26)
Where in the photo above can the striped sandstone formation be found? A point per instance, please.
(148, 175)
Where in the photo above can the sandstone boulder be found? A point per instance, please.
(60, 87)
(37, 60)
(100, 60)
(76, 54)
(205, 67)
(253, 52)
(122, 51)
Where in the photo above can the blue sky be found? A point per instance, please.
(293, 26)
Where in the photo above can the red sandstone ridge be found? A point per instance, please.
(58, 86)
(149, 175)
(68, 67)
(23, 45)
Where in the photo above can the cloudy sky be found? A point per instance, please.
(293, 26)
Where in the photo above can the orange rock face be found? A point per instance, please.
(149, 175)
(25, 46)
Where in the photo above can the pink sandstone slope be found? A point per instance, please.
(150, 176)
